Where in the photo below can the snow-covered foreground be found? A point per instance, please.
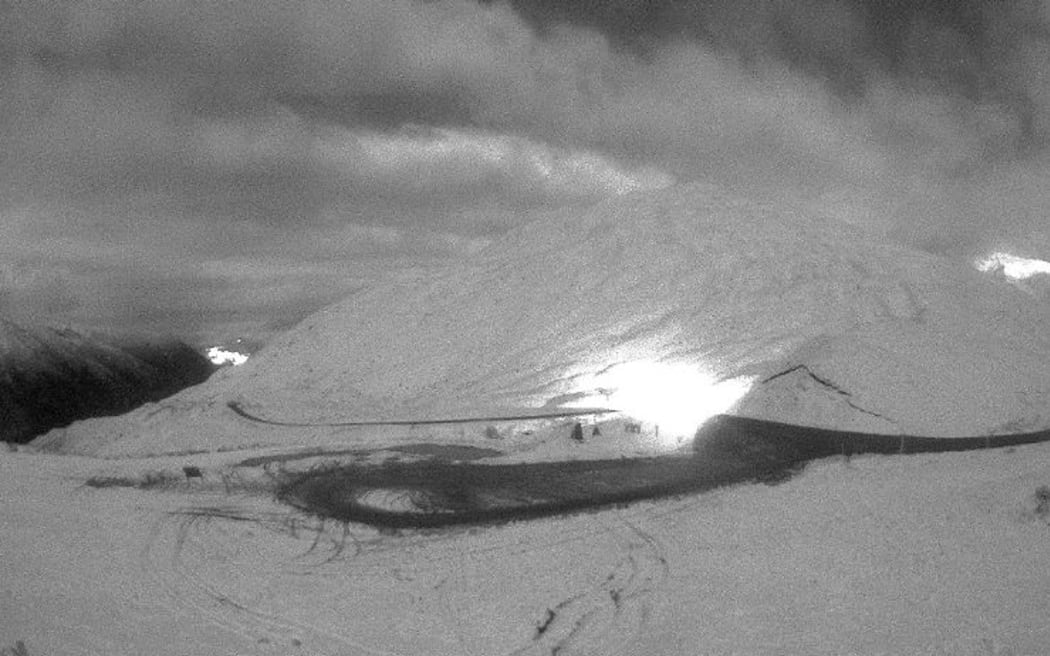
(926, 554)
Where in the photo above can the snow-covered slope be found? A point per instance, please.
(828, 325)
(50, 377)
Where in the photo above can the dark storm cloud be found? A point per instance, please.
(953, 42)
(928, 117)
(315, 141)
(149, 146)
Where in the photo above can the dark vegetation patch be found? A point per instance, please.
(258, 461)
(445, 452)
(148, 480)
(1042, 500)
(434, 493)
(448, 451)
(727, 451)
(18, 650)
(1039, 505)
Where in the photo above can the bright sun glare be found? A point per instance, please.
(219, 355)
(676, 397)
(1012, 266)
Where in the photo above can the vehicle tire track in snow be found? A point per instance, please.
(604, 618)
(184, 546)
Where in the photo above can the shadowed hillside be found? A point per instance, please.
(51, 377)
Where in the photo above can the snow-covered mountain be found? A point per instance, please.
(654, 301)
(666, 306)
(50, 377)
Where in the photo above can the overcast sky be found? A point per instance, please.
(217, 169)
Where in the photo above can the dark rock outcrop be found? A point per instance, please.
(51, 377)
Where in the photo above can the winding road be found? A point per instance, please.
(238, 409)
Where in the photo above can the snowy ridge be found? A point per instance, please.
(684, 276)
(905, 341)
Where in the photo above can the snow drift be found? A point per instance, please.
(829, 327)
(50, 377)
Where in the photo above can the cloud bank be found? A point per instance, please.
(193, 166)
